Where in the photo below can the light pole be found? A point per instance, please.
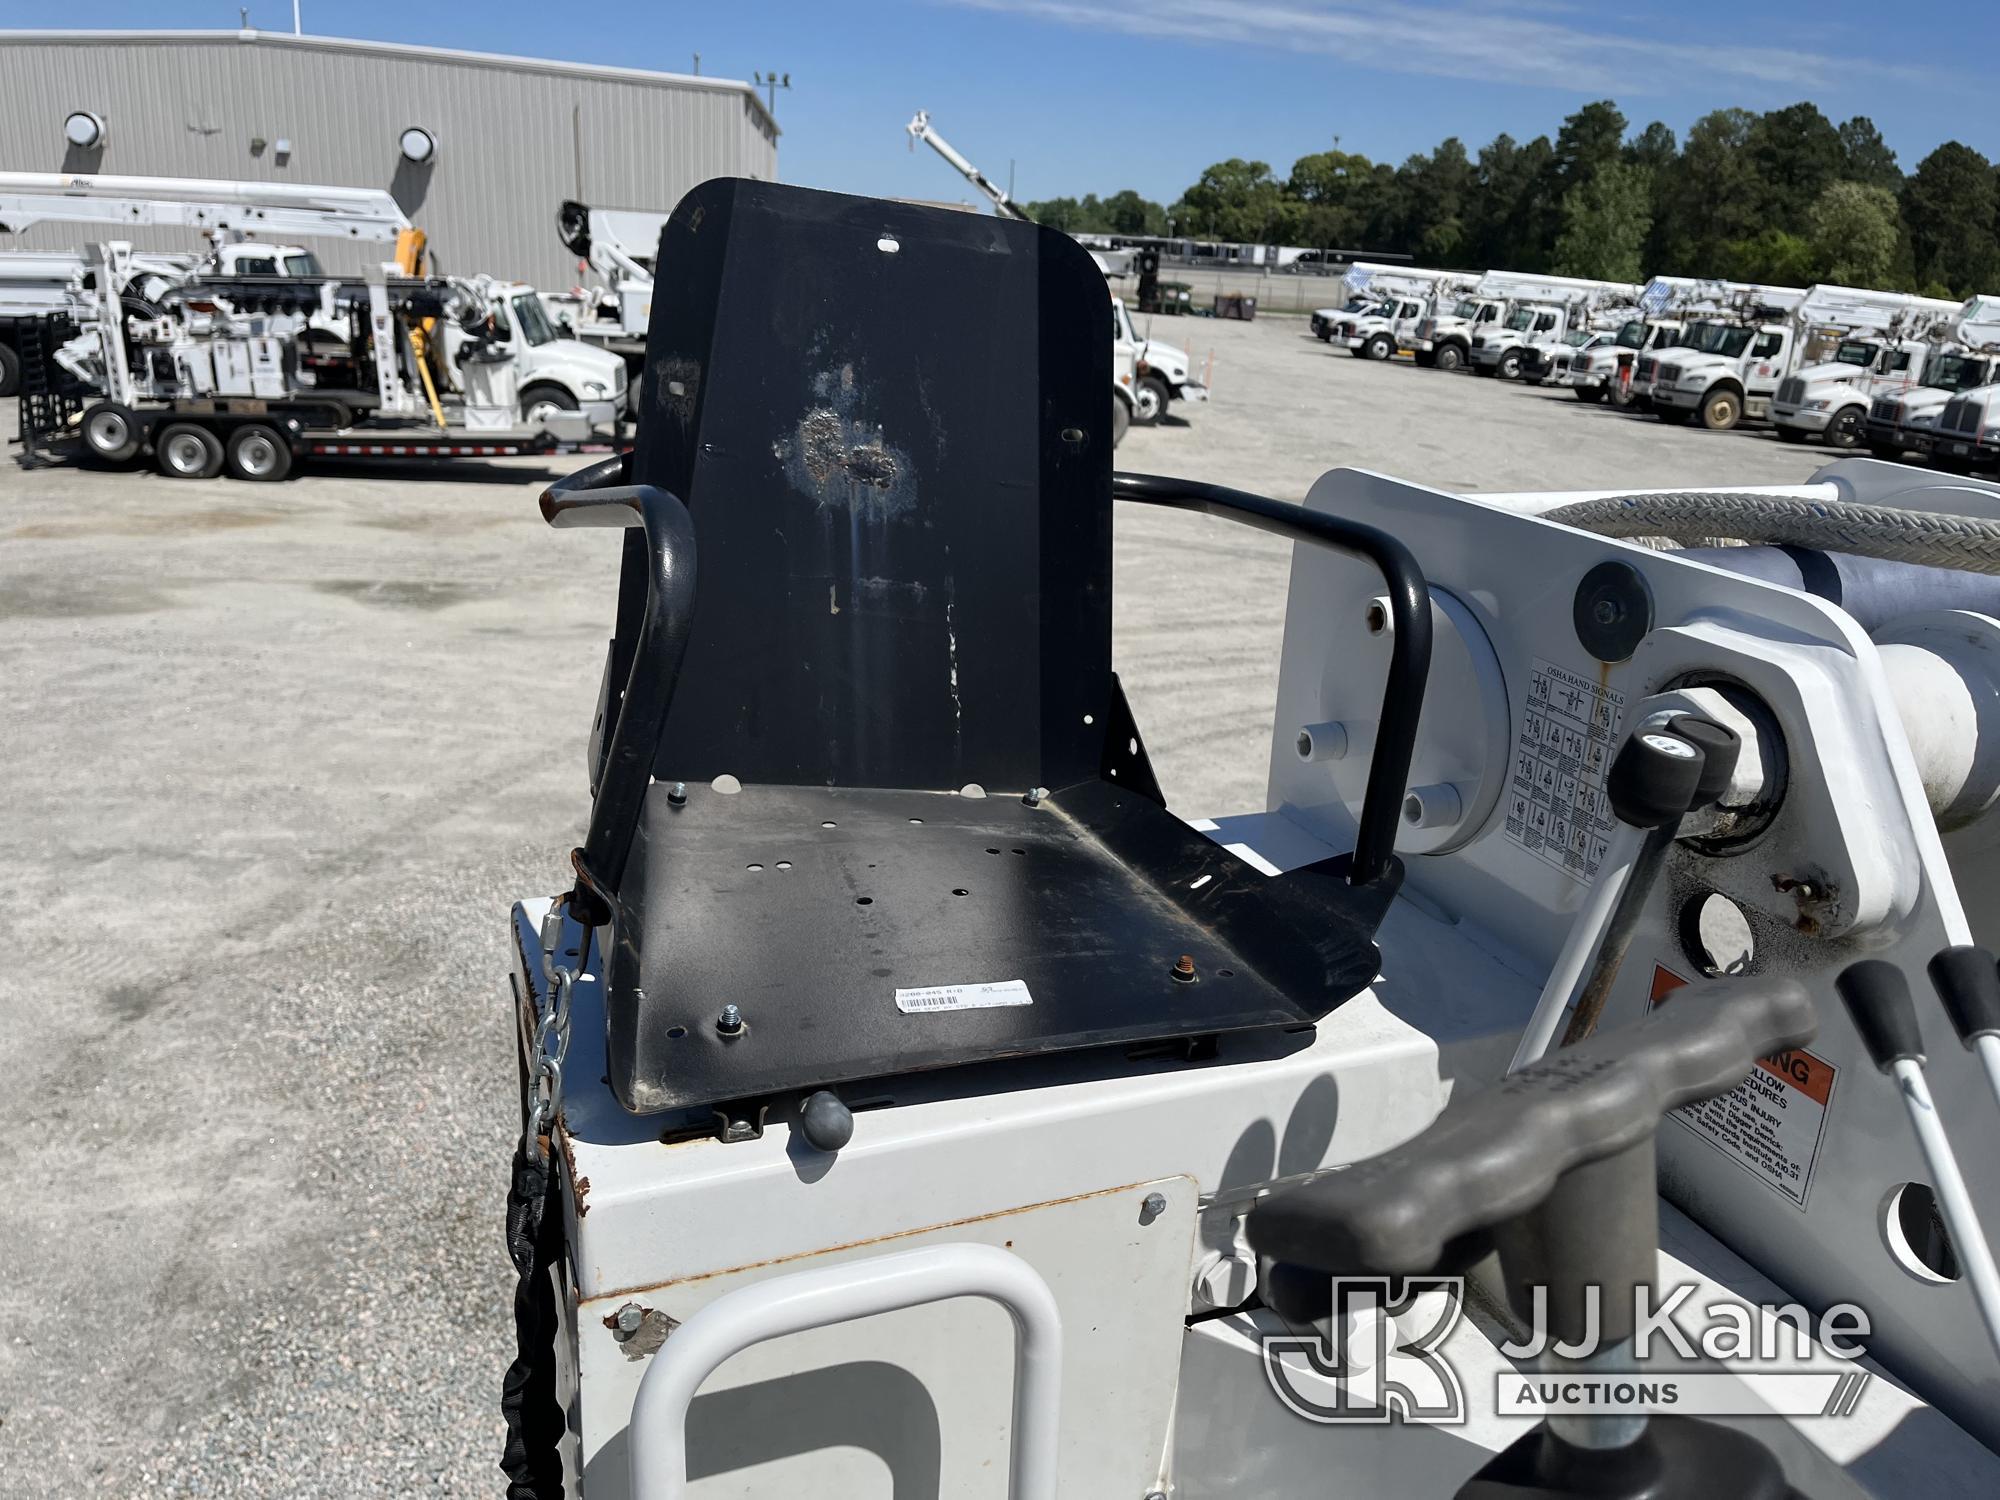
(771, 83)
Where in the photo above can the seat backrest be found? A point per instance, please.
(891, 425)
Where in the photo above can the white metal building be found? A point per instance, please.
(479, 149)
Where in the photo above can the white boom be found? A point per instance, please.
(29, 198)
(920, 130)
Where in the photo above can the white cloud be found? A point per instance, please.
(1504, 41)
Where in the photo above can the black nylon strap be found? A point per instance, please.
(532, 1459)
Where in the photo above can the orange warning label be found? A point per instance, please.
(1771, 1124)
(1810, 1075)
(1665, 982)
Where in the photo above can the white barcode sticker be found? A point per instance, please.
(963, 997)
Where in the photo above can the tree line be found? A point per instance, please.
(1786, 197)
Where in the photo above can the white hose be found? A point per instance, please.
(1969, 544)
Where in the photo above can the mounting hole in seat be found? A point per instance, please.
(1088, 719)
(753, 867)
(784, 864)
(1225, 973)
(1132, 745)
(888, 244)
(864, 900)
(992, 851)
(1914, 1231)
(726, 784)
(1715, 935)
(1377, 617)
(675, 1033)
(828, 823)
(972, 789)
(1020, 851)
(959, 890)
(916, 820)
(1200, 881)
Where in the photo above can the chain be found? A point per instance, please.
(551, 1039)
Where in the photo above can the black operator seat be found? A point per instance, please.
(885, 616)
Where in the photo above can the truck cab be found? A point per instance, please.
(1160, 374)
(1444, 342)
(553, 374)
(1732, 373)
(1605, 371)
(1967, 431)
(1552, 364)
(1906, 421)
(1831, 397)
(1326, 319)
(1379, 331)
(1503, 349)
(256, 258)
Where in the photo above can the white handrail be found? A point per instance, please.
(835, 1294)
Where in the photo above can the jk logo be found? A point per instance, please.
(1378, 1357)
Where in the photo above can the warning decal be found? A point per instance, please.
(1556, 807)
(1772, 1122)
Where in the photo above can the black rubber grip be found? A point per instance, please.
(1719, 746)
(1878, 998)
(1494, 1155)
(1653, 778)
(1969, 984)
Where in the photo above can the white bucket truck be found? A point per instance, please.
(616, 248)
(1541, 311)
(1737, 374)
(1402, 300)
(1604, 372)
(1906, 421)
(1831, 398)
(1368, 287)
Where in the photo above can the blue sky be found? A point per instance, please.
(1097, 95)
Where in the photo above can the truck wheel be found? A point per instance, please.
(1121, 420)
(1791, 435)
(1510, 365)
(1380, 347)
(539, 401)
(1450, 357)
(1149, 400)
(111, 433)
(10, 370)
(1847, 429)
(185, 451)
(1720, 410)
(258, 452)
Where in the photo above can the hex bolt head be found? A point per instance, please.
(1183, 969)
(677, 794)
(1151, 1207)
(627, 1321)
(730, 1022)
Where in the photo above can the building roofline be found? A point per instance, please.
(405, 49)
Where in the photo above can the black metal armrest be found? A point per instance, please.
(1409, 648)
(600, 496)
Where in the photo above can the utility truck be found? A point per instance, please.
(1906, 421)
(1738, 374)
(1831, 398)
(1605, 372)
(550, 375)
(615, 249)
(1146, 375)
(248, 374)
(1540, 313)
(1444, 340)
(1382, 331)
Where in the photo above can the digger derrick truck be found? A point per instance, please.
(1968, 356)
(940, 1113)
(1393, 301)
(1540, 314)
(1739, 376)
(1831, 398)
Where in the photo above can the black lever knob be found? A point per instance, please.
(1969, 984)
(825, 1122)
(1878, 998)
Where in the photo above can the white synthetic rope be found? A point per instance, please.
(1966, 543)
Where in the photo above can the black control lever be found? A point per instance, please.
(1556, 1164)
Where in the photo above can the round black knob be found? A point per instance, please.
(1878, 998)
(1719, 746)
(825, 1122)
(1653, 778)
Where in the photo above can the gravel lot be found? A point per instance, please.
(278, 757)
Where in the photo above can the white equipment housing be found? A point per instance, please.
(1851, 829)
